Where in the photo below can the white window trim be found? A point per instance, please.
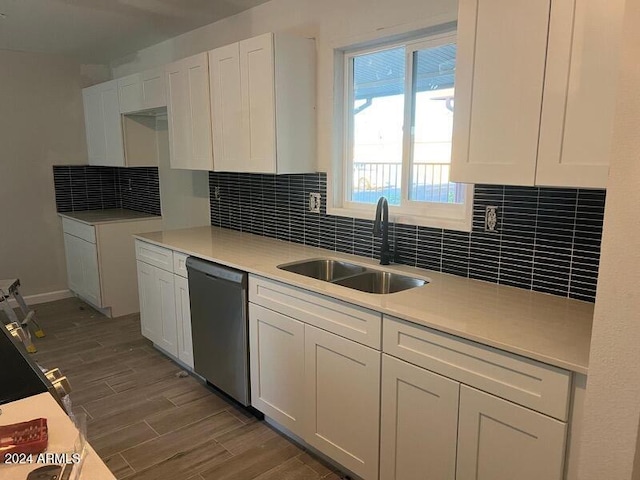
(449, 216)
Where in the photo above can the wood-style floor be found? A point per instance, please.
(148, 423)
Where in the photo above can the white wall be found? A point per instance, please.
(184, 194)
(333, 23)
(612, 404)
(41, 124)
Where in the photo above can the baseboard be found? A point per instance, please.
(43, 297)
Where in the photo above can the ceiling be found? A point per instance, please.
(97, 31)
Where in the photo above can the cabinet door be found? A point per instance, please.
(158, 307)
(82, 269)
(94, 125)
(149, 302)
(276, 343)
(188, 111)
(500, 70)
(112, 125)
(130, 93)
(167, 310)
(258, 102)
(419, 423)
(153, 91)
(498, 440)
(75, 275)
(342, 405)
(579, 94)
(90, 272)
(183, 320)
(230, 147)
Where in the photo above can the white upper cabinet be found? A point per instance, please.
(580, 87)
(130, 93)
(153, 89)
(257, 87)
(498, 90)
(263, 105)
(94, 124)
(535, 90)
(226, 108)
(142, 91)
(103, 125)
(188, 112)
(117, 141)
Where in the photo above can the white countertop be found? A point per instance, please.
(552, 329)
(62, 436)
(112, 215)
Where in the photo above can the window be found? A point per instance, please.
(398, 117)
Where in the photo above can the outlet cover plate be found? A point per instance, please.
(491, 218)
(314, 202)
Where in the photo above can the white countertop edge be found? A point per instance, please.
(290, 279)
(139, 217)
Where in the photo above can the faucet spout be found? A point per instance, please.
(381, 228)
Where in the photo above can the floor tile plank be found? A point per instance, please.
(187, 414)
(115, 442)
(163, 447)
(292, 469)
(246, 437)
(127, 416)
(254, 461)
(191, 459)
(99, 391)
(118, 466)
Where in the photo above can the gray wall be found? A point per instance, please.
(41, 124)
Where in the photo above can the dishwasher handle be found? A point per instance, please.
(216, 271)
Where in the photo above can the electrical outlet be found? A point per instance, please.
(216, 193)
(314, 202)
(491, 218)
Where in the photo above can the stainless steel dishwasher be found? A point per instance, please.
(219, 324)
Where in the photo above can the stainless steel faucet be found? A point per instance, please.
(381, 228)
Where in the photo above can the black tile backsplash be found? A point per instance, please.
(548, 239)
(82, 187)
(140, 189)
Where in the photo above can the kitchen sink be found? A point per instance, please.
(380, 282)
(354, 276)
(323, 269)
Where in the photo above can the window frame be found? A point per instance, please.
(430, 214)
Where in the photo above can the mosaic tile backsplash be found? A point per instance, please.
(548, 239)
(80, 187)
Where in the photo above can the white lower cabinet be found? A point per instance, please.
(419, 423)
(148, 293)
(183, 319)
(165, 310)
(82, 268)
(276, 343)
(319, 385)
(342, 383)
(158, 307)
(101, 262)
(498, 440)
